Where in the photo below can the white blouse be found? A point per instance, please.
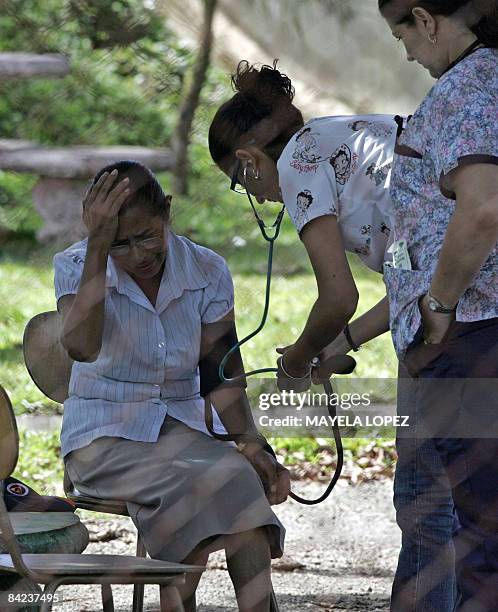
(342, 166)
(148, 363)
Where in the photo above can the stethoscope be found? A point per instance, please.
(270, 233)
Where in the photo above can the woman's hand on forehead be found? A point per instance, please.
(101, 207)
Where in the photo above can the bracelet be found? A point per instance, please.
(289, 375)
(350, 340)
(244, 439)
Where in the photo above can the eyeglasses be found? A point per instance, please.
(235, 185)
(146, 244)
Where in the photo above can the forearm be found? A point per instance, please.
(84, 322)
(233, 408)
(325, 323)
(467, 245)
(373, 323)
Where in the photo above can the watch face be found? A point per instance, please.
(432, 305)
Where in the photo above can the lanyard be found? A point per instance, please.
(477, 44)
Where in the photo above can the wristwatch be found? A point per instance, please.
(436, 306)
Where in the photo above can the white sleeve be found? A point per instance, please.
(67, 274)
(218, 295)
(308, 193)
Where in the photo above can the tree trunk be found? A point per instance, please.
(181, 137)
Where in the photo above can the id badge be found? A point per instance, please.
(399, 252)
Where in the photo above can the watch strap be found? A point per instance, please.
(436, 306)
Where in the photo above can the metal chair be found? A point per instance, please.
(49, 366)
(54, 570)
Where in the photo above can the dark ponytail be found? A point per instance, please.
(486, 29)
(261, 111)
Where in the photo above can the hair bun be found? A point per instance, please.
(265, 88)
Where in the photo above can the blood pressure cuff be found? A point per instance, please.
(209, 363)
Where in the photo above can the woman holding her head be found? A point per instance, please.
(333, 176)
(142, 309)
(444, 311)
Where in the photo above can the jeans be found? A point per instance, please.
(425, 579)
(455, 396)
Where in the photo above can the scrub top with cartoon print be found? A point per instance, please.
(342, 166)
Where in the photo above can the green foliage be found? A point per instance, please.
(309, 448)
(16, 208)
(127, 73)
(25, 290)
(120, 22)
(40, 463)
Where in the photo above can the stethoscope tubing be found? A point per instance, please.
(327, 385)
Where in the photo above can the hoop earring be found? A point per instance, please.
(255, 176)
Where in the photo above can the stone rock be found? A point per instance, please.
(58, 201)
(65, 175)
(31, 65)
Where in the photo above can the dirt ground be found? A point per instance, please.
(340, 555)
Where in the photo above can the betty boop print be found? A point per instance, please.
(378, 174)
(343, 163)
(385, 229)
(323, 172)
(306, 145)
(304, 201)
(378, 129)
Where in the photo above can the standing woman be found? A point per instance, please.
(444, 311)
(333, 176)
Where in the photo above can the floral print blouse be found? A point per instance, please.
(456, 125)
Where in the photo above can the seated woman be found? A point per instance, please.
(140, 307)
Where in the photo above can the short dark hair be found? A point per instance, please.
(145, 190)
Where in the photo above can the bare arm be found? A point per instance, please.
(83, 313)
(373, 323)
(231, 401)
(471, 236)
(232, 406)
(337, 294)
